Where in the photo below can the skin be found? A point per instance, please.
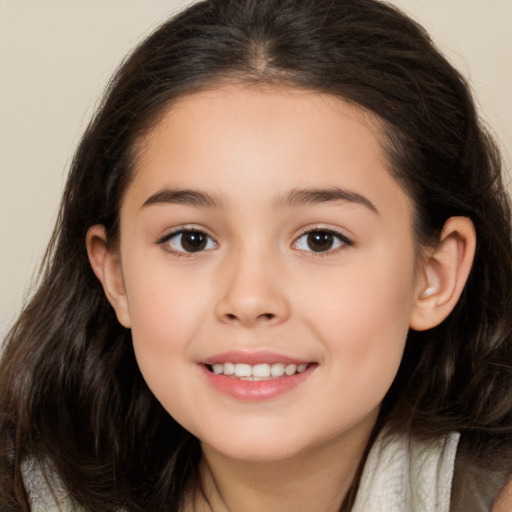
(504, 502)
(258, 286)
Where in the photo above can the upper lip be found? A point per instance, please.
(252, 358)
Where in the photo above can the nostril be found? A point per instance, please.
(263, 316)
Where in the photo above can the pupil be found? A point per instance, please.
(193, 241)
(319, 241)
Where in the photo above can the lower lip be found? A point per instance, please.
(251, 391)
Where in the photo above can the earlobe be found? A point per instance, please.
(444, 274)
(106, 264)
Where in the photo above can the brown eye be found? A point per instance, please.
(320, 240)
(190, 241)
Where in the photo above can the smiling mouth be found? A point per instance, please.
(257, 372)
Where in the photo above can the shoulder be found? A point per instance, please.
(504, 501)
(405, 472)
(482, 477)
(45, 490)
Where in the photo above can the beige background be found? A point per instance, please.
(57, 55)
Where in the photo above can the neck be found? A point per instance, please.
(315, 479)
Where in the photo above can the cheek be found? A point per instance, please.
(162, 301)
(165, 315)
(363, 318)
(163, 323)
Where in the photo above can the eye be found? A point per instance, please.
(189, 241)
(321, 240)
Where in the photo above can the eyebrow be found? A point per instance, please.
(183, 196)
(296, 197)
(312, 196)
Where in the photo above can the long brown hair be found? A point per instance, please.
(71, 394)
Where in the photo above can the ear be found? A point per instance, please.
(106, 264)
(444, 273)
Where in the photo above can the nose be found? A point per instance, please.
(252, 293)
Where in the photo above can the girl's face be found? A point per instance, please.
(263, 234)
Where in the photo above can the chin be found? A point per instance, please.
(269, 451)
(258, 443)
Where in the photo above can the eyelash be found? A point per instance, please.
(335, 237)
(165, 241)
(342, 240)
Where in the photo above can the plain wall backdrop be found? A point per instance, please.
(56, 57)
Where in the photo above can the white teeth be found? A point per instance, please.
(290, 369)
(264, 371)
(229, 369)
(277, 370)
(243, 370)
(261, 370)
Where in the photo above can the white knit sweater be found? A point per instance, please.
(401, 474)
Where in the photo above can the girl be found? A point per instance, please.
(281, 280)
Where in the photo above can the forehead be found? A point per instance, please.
(257, 110)
(264, 140)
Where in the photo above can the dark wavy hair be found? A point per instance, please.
(71, 395)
